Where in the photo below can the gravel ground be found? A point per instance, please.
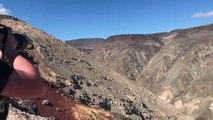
(15, 114)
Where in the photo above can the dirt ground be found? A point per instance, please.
(63, 107)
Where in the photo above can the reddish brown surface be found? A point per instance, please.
(62, 107)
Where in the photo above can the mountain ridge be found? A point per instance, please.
(89, 82)
(85, 44)
(178, 71)
(184, 70)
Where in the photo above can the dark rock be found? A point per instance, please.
(88, 84)
(105, 104)
(144, 105)
(26, 106)
(130, 109)
(69, 91)
(85, 99)
(60, 84)
(77, 77)
(77, 81)
(76, 85)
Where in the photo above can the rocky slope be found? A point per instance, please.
(181, 72)
(127, 54)
(176, 66)
(85, 45)
(88, 82)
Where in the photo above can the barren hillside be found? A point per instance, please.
(181, 72)
(127, 54)
(176, 66)
(90, 83)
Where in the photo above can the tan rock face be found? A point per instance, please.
(167, 94)
(178, 104)
(83, 112)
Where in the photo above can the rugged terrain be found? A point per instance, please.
(105, 93)
(181, 72)
(126, 54)
(176, 66)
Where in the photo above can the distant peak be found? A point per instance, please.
(136, 36)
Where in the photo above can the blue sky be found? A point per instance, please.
(72, 19)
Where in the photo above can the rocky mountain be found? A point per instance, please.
(77, 87)
(127, 54)
(181, 72)
(176, 66)
(85, 44)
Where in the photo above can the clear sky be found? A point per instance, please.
(72, 19)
